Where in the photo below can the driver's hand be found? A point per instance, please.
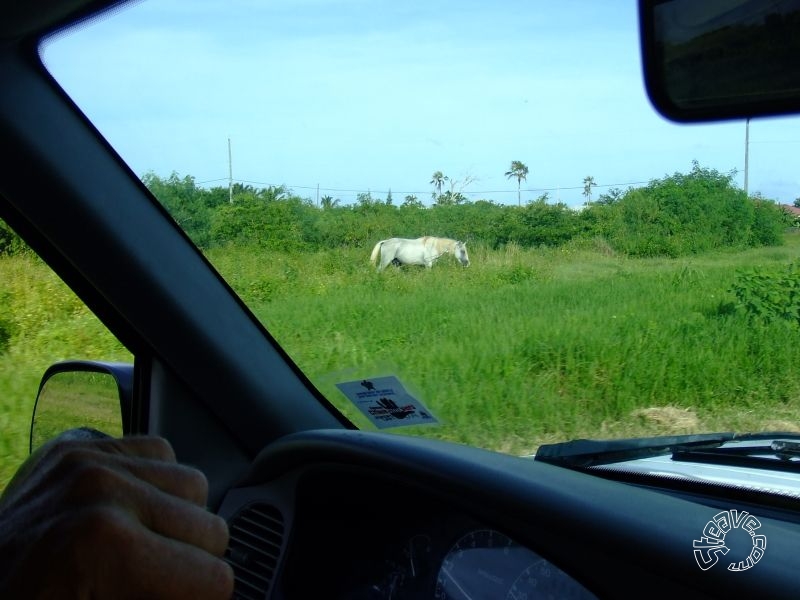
(110, 518)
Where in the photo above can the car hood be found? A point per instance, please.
(764, 480)
(765, 463)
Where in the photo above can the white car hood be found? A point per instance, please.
(767, 480)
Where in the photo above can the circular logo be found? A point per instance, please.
(711, 545)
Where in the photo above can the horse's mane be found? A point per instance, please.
(441, 244)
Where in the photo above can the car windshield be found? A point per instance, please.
(570, 264)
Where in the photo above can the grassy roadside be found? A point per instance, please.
(44, 323)
(533, 346)
(527, 346)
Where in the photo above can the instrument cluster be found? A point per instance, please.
(391, 545)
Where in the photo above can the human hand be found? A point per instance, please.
(110, 518)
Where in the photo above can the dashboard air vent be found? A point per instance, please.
(256, 537)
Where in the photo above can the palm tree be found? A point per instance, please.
(437, 181)
(588, 183)
(518, 170)
(327, 202)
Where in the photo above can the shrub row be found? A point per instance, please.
(677, 215)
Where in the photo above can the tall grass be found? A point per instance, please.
(532, 346)
(524, 347)
(43, 322)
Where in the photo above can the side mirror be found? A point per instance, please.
(85, 395)
(721, 59)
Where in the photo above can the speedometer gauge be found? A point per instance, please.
(485, 563)
(482, 564)
(543, 580)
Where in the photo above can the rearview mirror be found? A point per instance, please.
(721, 59)
(82, 395)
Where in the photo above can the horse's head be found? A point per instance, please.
(460, 252)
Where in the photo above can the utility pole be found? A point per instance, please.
(746, 153)
(230, 173)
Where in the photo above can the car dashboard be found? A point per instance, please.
(348, 514)
(370, 538)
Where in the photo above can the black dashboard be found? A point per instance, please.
(374, 539)
(349, 514)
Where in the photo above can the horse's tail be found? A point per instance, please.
(375, 251)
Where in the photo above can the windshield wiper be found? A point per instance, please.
(779, 454)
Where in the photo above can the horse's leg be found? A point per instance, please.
(385, 260)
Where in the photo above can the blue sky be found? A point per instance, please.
(360, 95)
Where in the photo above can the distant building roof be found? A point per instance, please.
(792, 209)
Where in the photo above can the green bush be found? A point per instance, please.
(185, 202)
(770, 295)
(679, 215)
(10, 242)
(769, 223)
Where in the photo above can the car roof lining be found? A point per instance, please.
(36, 20)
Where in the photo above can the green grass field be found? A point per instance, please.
(524, 347)
(45, 323)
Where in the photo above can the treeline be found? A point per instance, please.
(674, 216)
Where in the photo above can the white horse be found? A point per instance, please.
(421, 251)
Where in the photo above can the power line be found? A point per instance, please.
(775, 141)
(320, 188)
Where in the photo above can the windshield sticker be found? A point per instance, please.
(713, 543)
(386, 403)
